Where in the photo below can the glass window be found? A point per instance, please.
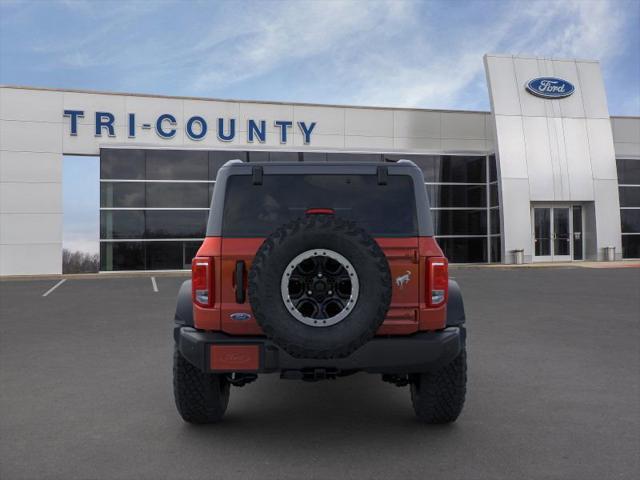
(258, 156)
(147, 255)
(122, 195)
(457, 195)
(122, 256)
(631, 246)
(165, 255)
(218, 158)
(314, 156)
(123, 164)
(628, 171)
(460, 169)
(177, 195)
(354, 157)
(630, 221)
(177, 165)
(629, 196)
(190, 251)
(284, 157)
(121, 224)
(496, 253)
(494, 218)
(464, 250)
(257, 210)
(494, 199)
(176, 223)
(460, 222)
(493, 169)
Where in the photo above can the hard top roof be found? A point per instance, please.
(239, 163)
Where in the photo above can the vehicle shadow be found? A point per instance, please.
(273, 414)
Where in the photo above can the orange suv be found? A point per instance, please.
(315, 271)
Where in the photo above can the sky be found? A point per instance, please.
(380, 53)
(81, 204)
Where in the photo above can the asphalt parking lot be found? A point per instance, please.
(554, 390)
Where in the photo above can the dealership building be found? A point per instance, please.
(546, 175)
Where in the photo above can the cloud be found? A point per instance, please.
(80, 60)
(277, 38)
(562, 29)
(391, 53)
(575, 28)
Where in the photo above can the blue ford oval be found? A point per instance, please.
(550, 87)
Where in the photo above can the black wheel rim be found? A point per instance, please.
(320, 287)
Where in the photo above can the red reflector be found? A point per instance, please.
(320, 211)
(202, 281)
(437, 281)
(234, 358)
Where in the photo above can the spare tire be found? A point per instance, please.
(320, 287)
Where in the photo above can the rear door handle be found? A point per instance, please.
(240, 296)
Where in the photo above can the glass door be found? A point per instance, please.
(557, 233)
(542, 233)
(561, 234)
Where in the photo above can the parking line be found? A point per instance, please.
(54, 287)
(154, 284)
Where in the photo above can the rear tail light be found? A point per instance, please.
(202, 281)
(437, 281)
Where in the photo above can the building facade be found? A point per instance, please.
(547, 174)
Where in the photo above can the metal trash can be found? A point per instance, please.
(518, 257)
(610, 254)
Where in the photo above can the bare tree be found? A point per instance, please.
(79, 262)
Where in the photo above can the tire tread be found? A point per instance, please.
(438, 397)
(200, 397)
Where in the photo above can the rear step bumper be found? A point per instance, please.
(219, 352)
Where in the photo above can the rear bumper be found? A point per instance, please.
(415, 353)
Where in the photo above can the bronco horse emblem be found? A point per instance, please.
(402, 280)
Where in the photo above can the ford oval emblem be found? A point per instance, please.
(240, 316)
(550, 87)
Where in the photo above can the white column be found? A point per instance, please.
(30, 182)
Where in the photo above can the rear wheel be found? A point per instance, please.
(200, 397)
(438, 397)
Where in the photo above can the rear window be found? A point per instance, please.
(257, 210)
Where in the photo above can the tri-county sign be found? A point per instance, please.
(196, 127)
(550, 87)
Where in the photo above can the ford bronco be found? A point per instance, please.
(318, 271)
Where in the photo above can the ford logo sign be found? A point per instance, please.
(550, 87)
(240, 316)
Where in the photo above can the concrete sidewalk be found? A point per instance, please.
(579, 264)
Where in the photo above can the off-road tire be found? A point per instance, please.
(200, 397)
(317, 232)
(438, 397)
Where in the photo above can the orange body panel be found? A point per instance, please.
(407, 261)
(234, 250)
